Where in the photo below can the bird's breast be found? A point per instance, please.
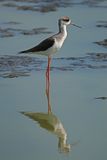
(59, 42)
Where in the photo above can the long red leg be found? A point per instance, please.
(48, 83)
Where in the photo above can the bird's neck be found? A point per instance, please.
(62, 29)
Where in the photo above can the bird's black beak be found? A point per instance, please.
(76, 25)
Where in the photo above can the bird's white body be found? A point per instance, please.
(50, 51)
(56, 47)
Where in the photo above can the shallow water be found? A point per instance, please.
(75, 93)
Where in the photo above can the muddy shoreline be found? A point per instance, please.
(16, 66)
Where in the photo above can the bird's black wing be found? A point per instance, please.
(43, 46)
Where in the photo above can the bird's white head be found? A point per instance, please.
(64, 21)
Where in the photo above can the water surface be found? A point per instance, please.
(75, 93)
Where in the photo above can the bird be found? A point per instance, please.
(51, 45)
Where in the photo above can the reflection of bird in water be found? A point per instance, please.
(51, 123)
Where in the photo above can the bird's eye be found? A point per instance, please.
(66, 20)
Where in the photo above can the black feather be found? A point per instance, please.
(43, 46)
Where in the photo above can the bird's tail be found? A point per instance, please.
(22, 52)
